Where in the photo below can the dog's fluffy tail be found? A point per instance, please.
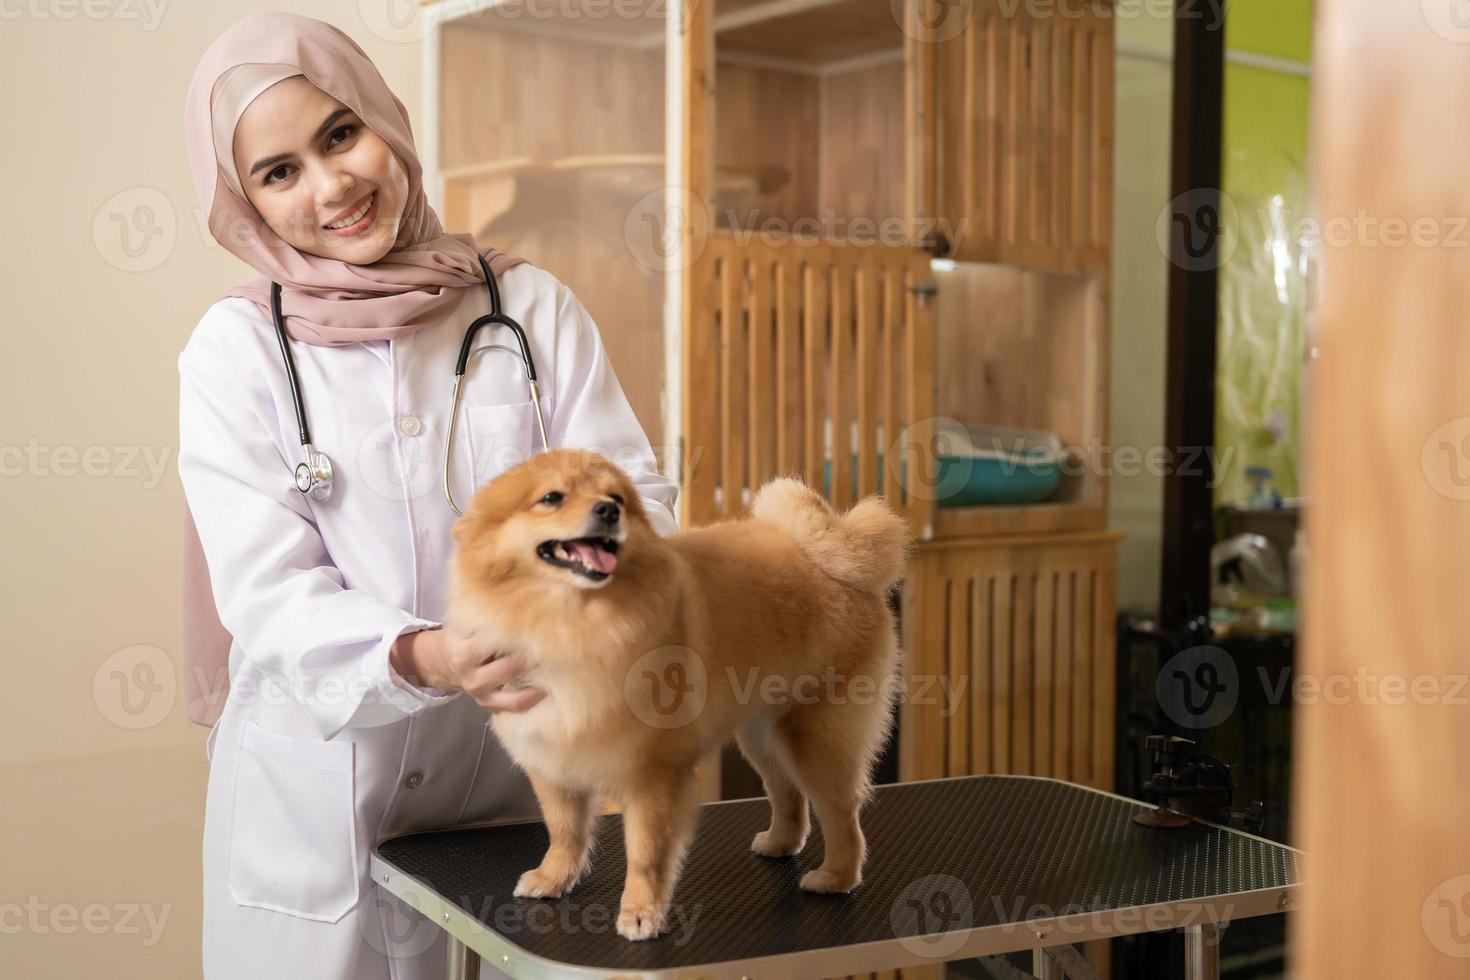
(867, 547)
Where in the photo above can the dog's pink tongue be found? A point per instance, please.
(593, 556)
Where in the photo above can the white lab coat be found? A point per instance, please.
(322, 751)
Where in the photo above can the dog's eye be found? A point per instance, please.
(618, 497)
(554, 497)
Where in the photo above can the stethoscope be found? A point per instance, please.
(314, 476)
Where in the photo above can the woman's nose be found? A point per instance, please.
(333, 188)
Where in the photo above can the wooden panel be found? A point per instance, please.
(530, 201)
(1008, 648)
(772, 399)
(1024, 106)
(1379, 770)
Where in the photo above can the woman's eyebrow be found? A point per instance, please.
(320, 132)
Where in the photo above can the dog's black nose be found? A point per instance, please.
(606, 511)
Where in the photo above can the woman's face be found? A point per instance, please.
(309, 166)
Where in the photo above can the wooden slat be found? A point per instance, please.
(790, 454)
(761, 355)
(814, 285)
(1083, 589)
(868, 315)
(1061, 678)
(1040, 246)
(1043, 704)
(1002, 586)
(1023, 669)
(1063, 142)
(959, 658)
(733, 387)
(839, 395)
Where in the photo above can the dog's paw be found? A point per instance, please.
(824, 881)
(537, 884)
(641, 921)
(764, 843)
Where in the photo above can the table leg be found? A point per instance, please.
(1202, 952)
(1044, 966)
(464, 963)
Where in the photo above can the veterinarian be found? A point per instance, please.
(351, 715)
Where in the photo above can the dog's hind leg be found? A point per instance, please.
(831, 747)
(790, 823)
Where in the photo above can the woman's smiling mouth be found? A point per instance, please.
(358, 220)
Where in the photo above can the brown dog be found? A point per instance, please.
(654, 652)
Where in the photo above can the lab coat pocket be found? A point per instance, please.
(293, 835)
(503, 436)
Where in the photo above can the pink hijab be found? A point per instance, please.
(325, 302)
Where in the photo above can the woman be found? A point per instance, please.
(351, 717)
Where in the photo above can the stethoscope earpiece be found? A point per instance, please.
(314, 476)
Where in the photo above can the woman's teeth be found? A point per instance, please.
(355, 217)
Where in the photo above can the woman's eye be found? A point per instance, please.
(269, 176)
(341, 129)
(554, 497)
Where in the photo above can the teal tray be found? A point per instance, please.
(975, 481)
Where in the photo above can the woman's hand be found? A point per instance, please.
(450, 660)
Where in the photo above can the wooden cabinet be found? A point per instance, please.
(1023, 131)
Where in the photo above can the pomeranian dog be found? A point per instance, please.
(654, 652)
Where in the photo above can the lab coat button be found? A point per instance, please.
(410, 425)
(415, 780)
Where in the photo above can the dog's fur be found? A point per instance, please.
(776, 627)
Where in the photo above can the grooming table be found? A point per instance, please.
(957, 868)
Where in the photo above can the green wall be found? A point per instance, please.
(1258, 409)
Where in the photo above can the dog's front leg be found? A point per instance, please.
(658, 822)
(570, 817)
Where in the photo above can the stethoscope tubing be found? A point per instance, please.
(315, 477)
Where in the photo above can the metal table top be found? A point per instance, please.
(959, 867)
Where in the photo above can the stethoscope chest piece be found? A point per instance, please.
(315, 478)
